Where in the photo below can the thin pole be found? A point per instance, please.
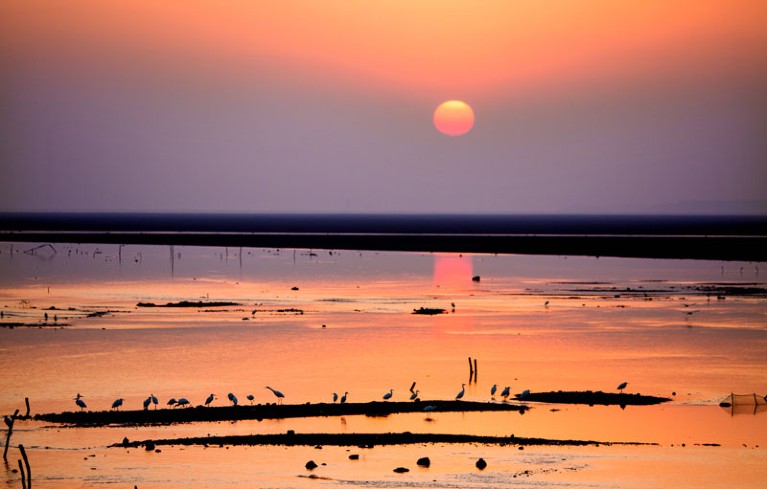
(8, 437)
(26, 462)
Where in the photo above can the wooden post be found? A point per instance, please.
(21, 471)
(26, 400)
(29, 468)
(476, 371)
(471, 370)
(8, 438)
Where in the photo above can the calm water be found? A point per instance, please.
(669, 328)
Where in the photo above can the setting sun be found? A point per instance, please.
(454, 118)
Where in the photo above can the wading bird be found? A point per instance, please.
(343, 398)
(232, 398)
(493, 389)
(280, 395)
(183, 401)
(460, 394)
(117, 403)
(335, 396)
(80, 402)
(414, 395)
(622, 386)
(506, 391)
(251, 397)
(388, 395)
(209, 399)
(147, 402)
(154, 400)
(172, 402)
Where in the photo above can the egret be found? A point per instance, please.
(147, 402)
(154, 400)
(172, 401)
(622, 386)
(388, 395)
(80, 403)
(460, 394)
(335, 396)
(209, 399)
(414, 395)
(182, 401)
(280, 395)
(232, 398)
(117, 403)
(343, 398)
(250, 398)
(506, 391)
(493, 389)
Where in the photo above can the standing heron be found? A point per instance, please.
(280, 395)
(209, 399)
(343, 398)
(182, 401)
(493, 389)
(622, 386)
(80, 402)
(232, 398)
(388, 395)
(335, 396)
(147, 402)
(414, 395)
(460, 394)
(154, 399)
(506, 392)
(117, 403)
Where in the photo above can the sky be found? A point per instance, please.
(581, 106)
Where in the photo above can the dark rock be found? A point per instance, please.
(149, 445)
(354, 456)
(424, 462)
(481, 464)
(310, 465)
(126, 441)
(475, 278)
(401, 470)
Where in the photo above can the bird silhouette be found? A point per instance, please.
(460, 394)
(280, 395)
(147, 402)
(117, 403)
(250, 398)
(388, 395)
(209, 399)
(335, 396)
(343, 398)
(182, 401)
(414, 395)
(154, 400)
(172, 402)
(80, 402)
(506, 391)
(232, 398)
(493, 389)
(622, 386)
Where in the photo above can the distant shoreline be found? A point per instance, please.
(742, 238)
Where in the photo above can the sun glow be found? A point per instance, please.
(454, 118)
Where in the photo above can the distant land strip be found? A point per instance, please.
(742, 238)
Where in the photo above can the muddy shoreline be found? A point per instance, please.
(283, 411)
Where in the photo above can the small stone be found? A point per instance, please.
(481, 464)
(354, 456)
(424, 462)
(401, 470)
(310, 465)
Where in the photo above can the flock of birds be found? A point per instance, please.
(183, 401)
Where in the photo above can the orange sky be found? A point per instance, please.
(438, 46)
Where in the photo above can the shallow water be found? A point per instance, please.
(538, 323)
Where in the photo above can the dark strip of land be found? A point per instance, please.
(694, 237)
(280, 411)
(362, 440)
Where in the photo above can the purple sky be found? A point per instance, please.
(99, 114)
